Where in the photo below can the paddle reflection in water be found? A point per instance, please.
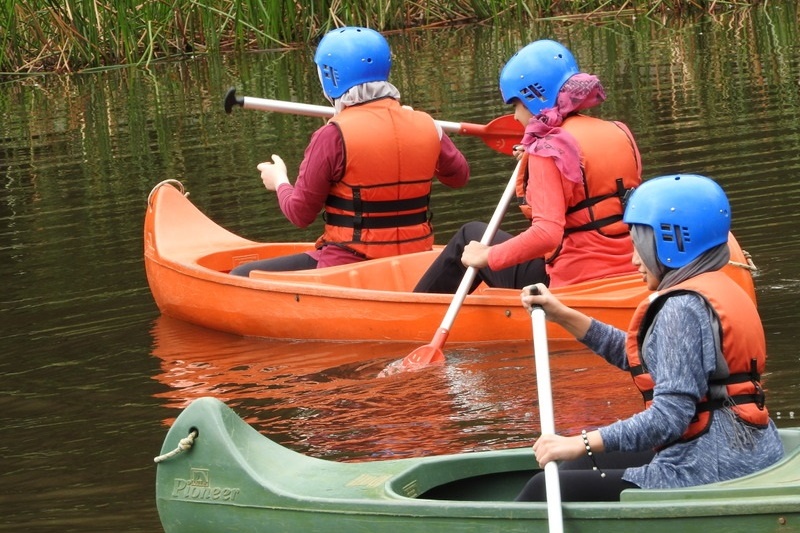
(324, 398)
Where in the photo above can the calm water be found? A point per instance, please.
(92, 375)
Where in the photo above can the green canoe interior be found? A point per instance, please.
(505, 480)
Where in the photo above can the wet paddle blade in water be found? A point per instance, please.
(430, 354)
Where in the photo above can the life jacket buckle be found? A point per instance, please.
(760, 397)
(624, 193)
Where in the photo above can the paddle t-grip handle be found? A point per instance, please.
(231, 100)
(535, 292)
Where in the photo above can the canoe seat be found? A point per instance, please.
(468, 477)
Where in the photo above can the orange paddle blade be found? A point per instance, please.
(501, 134)
(430, 354)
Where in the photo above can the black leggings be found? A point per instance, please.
(284, 263)
(579, 483)
(446, 272)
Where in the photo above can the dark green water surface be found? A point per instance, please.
(90, 374)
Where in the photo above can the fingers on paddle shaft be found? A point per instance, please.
(535, 292)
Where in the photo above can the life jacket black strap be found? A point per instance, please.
(622, 192)
(742, 377)
(595, 224)
(358, 205)
(730, 401)
(360, 222)
(757, 398)
(589, 202)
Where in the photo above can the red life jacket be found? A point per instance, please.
(736, 381)
(611, 169)
(380, 206)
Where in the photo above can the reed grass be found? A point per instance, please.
(71, 35)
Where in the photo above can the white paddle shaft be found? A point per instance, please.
(546, 417)
(488, 235)
(311, 110)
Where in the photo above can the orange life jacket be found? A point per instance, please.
(736, 381)
(610, 167)
(380, 206)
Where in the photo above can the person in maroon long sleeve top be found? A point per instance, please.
(370, 168)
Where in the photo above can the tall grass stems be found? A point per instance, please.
(70, 35)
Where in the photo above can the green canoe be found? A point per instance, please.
(234, 479)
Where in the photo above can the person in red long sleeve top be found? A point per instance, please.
(370, 168)
(575, 176)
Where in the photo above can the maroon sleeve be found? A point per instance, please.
(322, 165)
(452, 168)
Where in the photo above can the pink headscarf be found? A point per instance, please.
(543, 135)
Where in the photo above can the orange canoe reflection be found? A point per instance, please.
(324, 399)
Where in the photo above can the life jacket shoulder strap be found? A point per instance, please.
(622, 192)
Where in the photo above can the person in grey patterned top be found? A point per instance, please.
(700, 343)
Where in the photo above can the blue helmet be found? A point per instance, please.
(350, 56)
(689, 214)
(536, 73)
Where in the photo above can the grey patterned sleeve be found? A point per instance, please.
(608, 342)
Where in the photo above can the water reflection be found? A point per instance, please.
(325, 399)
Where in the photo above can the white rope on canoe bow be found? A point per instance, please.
(747, 266)
(184, 444)
(177, 184)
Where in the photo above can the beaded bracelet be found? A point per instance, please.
(590, 454)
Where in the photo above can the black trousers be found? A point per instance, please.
(579, 483)
(446, 272)
(284, 263)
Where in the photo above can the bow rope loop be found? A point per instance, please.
(750, 265)
(177, 184)
(184, 444)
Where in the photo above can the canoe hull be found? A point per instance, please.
(188, 257)
(318, 312)
(235, 479)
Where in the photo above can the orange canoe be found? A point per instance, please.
(188, 257)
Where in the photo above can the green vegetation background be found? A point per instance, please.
(73, 35)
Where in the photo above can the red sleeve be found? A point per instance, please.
(548, 195)
(452, 168)
(323, 164)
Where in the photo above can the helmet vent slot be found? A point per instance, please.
(533, 91)
(677, 234)
(330, 73)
